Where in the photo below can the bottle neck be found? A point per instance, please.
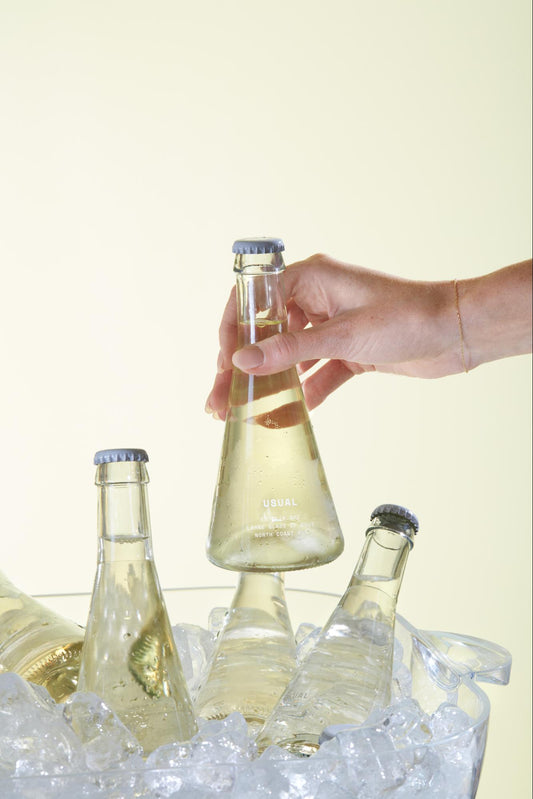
(123, 513)
(382, 561)
(261, 307)
(259, 590)
(264, 594)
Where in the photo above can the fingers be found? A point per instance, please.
(329, 340)
(228, 332)
(296, 316)
(325, 380)
(217, 400)
(304, 366)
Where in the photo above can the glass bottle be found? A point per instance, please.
(272, 509)
(37, 643)
(129, 655)
(349, 672)
(255, 653)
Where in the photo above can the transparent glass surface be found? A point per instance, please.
(41, 645)
(272, 509)
(435, 679)
(255, 653)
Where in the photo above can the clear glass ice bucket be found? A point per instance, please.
(445, 667)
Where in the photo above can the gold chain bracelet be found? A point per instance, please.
(460, 321)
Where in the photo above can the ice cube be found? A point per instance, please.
(329, 790)
(423, 776)
(195, 647)
(303, 631)
(34, 738)
(372, 762)
(107, 743)
(460, 745)
(404, 722)
(224, 741)
(217, 619)
(449, 720)
(262, 779)
(306, 643)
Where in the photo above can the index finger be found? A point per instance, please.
(227, 333)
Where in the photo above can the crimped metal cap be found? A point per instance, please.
(120, 456)
(258, 246)
(396, 510)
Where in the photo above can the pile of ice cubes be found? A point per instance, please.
(81, 749)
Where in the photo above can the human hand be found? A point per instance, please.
(357, 319)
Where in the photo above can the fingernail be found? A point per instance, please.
(220, 363)
(249, 357)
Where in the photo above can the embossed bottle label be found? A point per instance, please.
(286, 502)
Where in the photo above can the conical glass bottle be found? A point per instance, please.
(129, 655)
(349, 672)
(272, 509)
(255, 653)
(37, 643)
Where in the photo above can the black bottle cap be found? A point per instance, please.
(396, 510)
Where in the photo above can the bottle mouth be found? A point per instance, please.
(258, 263)
(123, 473)
(395, 532)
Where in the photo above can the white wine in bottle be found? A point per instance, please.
(129, 655)
(272, 509)
(40, 645)
(349, 672)
(255, 653)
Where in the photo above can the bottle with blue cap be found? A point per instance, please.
(129, 656)
(348, 673)
(272, 509)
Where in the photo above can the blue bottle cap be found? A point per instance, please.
(258, 246)
(120, 456)
(396, 510)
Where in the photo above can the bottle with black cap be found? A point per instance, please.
(129, 656)
(349, 672)
(272, 509)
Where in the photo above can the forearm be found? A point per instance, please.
(496, 314)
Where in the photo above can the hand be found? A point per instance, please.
(360, 320)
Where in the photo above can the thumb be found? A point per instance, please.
(283, 351)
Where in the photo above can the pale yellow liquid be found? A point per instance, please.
(129, 658)
(342, 680)
(255, 653)
(37, 643)
(272, 509)
(251, 670)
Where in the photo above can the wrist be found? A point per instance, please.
(496, 314)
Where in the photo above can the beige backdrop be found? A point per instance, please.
(137, 140)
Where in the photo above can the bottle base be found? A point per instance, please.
(273, 566)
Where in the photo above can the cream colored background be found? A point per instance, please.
(137, 141)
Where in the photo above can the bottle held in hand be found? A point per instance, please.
(272, 509)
